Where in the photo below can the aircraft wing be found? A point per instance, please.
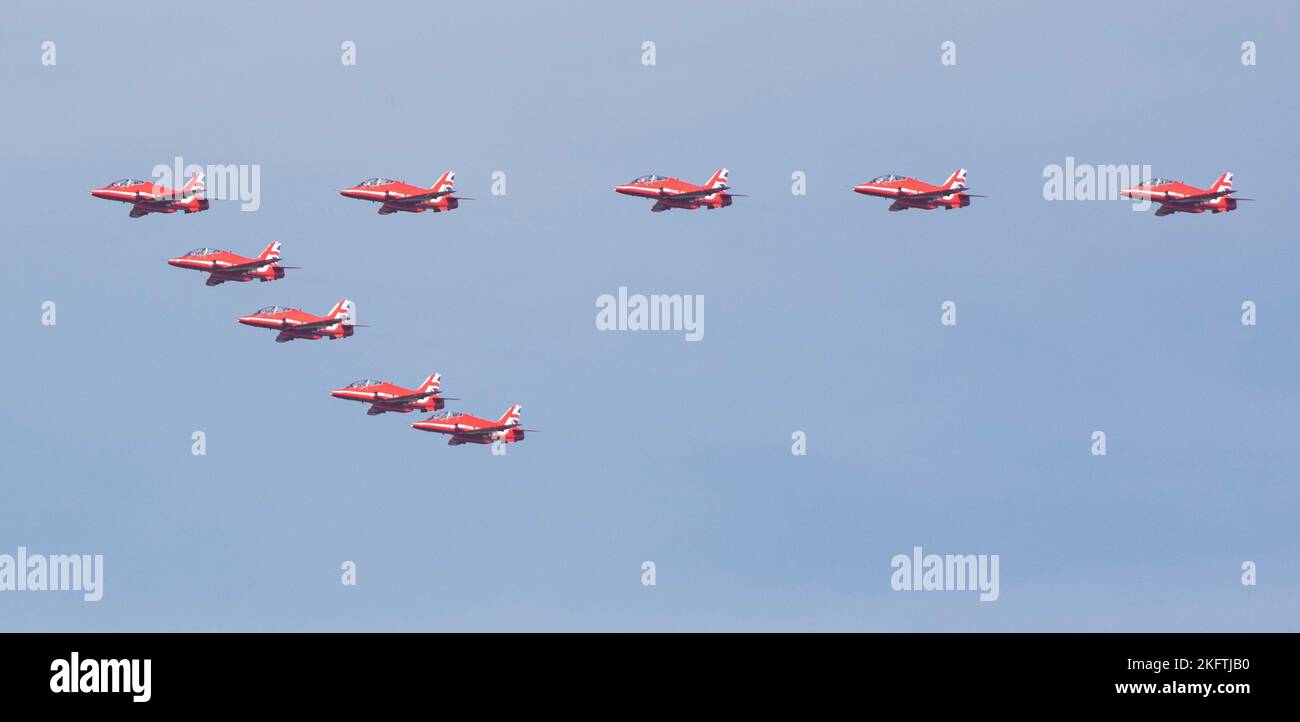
(171, 195)
(311, 325)
(491, 430)
(250, 266)
(933, 194)
(408, 397)
(1198, 198)
(417, 197)
(686, 195)
(484, 431)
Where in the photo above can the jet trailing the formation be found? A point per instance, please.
(1178, 197)
(293, 323)
(669, 193)
(467, 429)
(912, 193)
(223, 266)
(148, 197)
(397, 196)
(384, 396)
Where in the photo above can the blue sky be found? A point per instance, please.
(822, 316)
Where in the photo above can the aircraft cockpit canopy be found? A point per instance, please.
(445, 414)
(365, 382)
(1155, 182)
(203, 251)
(889, 177)
(126, 182)
(375, 182)
(275, 309)
(651, 178)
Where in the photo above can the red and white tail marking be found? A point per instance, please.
(194, 187)
(510, 417)
(271, 253)
(719, 178)
(344, 311)
(433, 383)
(957, 179)
(1224, 183)
(445, 182)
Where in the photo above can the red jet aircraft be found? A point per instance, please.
(147, 197)
(912, 193)
(466, 429)
(385, 396)
(1177, 197)
(398, 196)
(225, 266)
(672, 193)
(293, 323)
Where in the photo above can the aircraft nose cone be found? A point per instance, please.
(247, 320)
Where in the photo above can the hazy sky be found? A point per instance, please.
(822, 316)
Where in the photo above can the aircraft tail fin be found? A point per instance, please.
(271, 252)
(510, 417)
(957, 179)
(194, 187)
(1224, 183)
(445, 182)
(719, 178)
(344, 311)
(433, 383)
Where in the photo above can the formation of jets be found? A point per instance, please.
(668, 193)
(290, 324)
(387, 397)
(395, 196)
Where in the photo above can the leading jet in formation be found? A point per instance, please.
(148, 197)
(1178, 197)
(467, 429)
(223, 266)
(400, 196)
(293, 323)
(669, 193)
(385, 396)
(912, 193)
